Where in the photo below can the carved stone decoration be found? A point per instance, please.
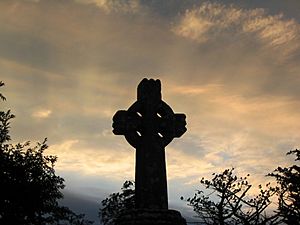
(149, 125)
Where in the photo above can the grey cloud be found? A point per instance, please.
(190, 144)
(173, 8)
(105, 42)
(121, 47)
(20, 46)
(58, 128)
(212, 21)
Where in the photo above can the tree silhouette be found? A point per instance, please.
(117, 203)
(288, 191)
(228, 201)
(30, 189)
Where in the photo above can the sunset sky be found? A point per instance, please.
(233, 67)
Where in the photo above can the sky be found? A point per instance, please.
(233, 67)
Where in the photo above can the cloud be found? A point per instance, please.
(78, 156)
(183, 165)
(42, 114)
(234, 130)
(216, 21)
(109, 6)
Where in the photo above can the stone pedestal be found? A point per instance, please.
(151, 217)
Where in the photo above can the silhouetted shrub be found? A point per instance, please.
(288, 191)
(228, 202)
(30, 189)
(117, 203)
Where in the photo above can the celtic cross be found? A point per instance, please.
(149, 125)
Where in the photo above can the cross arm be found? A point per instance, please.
(179, 124)
(125, 122)
(172, 126)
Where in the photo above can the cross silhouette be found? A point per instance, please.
(149, 125)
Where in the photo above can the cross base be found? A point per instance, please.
(151, 217)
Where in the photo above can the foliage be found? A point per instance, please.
(288, 191)
(117, 203)
(2, 96)
(229, 203)
(30, 189)
(64, 216)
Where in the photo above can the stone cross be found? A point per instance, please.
(149, 125)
